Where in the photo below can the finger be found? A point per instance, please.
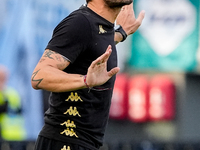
(130, 6)
(109, 51)
(103, 58)
(113, 71)
(109, 48)
(128, 9)
(141, 16)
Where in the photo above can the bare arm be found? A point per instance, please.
(48, 74)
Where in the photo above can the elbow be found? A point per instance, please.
(36, 81)
(34, 85)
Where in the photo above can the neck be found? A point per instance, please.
(104, 11)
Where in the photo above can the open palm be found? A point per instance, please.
(97, 72)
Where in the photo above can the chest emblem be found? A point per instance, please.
(101, 30)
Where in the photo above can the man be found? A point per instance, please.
(79, 67)
(11, 119)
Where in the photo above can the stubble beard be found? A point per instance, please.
(117, 3)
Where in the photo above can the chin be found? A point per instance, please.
(118, 4)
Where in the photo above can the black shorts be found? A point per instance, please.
(43, 143)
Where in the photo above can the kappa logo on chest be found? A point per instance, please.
(101, 30)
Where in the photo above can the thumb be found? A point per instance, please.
(141, 16)
(113, 71)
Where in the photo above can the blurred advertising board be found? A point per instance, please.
(168, 39)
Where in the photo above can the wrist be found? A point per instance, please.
(118, 37)
(119, 29)
(85, 82)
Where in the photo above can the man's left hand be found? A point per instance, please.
(127, 20)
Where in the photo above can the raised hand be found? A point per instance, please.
(97, 72)
(127, 20)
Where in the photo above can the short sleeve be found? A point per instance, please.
(71, 36)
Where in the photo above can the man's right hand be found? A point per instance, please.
(97, 72)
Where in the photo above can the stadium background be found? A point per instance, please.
(166, 43)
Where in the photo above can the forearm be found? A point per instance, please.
(55, 80)
(49, 74)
